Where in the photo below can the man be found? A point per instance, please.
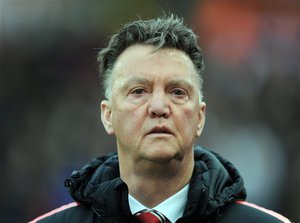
(153, 79)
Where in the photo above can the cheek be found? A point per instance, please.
(188, 121)
(127, 120)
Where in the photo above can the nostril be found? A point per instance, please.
(158, 105)
(158, 114)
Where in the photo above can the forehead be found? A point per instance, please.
(144, 60)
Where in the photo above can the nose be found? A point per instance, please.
(159, 105)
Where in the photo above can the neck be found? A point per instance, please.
(153, 182)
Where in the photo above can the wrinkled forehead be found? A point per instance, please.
(150, 51)
(147, 60)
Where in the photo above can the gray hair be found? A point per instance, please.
(165, 32)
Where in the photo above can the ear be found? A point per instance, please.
(106, 116)
(202, 108)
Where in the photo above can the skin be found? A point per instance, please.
(154, 90)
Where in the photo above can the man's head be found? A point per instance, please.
(154, 105)
(166, 32)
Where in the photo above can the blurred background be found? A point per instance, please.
(50, 93)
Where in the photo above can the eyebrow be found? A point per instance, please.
(135, 80)
(143, 81)
(181, 82)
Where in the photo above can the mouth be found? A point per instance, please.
(160, 130)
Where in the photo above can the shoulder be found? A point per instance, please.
(243, 211)
(73, 212)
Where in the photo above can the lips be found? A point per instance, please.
(160, 130)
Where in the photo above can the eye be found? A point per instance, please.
(179, 92)
(138, 91)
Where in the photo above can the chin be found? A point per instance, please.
(160, 154)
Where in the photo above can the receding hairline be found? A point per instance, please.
(183, 57)
(168, 31)
(140, 76)
(153, 51)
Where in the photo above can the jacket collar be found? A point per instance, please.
(215, 182)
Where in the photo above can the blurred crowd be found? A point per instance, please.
(50, 92)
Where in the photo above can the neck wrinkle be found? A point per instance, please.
(153, 183)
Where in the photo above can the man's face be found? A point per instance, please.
(154, 111)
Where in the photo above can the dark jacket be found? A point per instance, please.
(216, 194)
